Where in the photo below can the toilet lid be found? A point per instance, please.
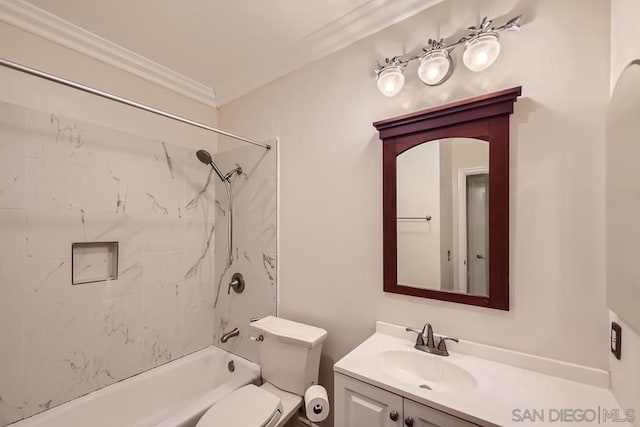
(249, 406)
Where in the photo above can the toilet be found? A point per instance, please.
(289, 358)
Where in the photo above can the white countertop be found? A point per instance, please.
(501, 388)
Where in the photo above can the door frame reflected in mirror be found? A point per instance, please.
(463, 217)
(486, 118)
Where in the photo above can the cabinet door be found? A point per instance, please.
(417, 415)
(358, 404)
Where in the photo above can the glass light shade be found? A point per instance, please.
(481, 52)
(434, 67)
(390, 81)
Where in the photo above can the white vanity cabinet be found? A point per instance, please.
(358, 404)
(418, 415)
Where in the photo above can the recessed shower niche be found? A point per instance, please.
(94, 262)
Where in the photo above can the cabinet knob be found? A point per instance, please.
(408, 421)
(394, 416)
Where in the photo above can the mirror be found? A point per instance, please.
(623, 204)
(446, 201)
(442, 189)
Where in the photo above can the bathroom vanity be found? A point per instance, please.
(386, 382)
(377, 407)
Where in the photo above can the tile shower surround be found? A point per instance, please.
(63, 181)
(254, 246)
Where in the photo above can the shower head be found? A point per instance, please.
(204, 157)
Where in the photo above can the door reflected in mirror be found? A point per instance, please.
(442, 210)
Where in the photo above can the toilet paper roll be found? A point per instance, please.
(316, 403)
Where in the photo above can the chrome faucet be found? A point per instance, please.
(233, 333)
(430, 345)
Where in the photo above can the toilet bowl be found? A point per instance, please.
(247, 406)
(289, 358)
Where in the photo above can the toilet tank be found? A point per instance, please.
(289, 353)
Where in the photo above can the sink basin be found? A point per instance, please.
(425, 371)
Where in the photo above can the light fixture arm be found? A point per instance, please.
(485, 27)
(433, 44)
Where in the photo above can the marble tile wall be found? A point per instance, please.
(254, 246)
(62, 181)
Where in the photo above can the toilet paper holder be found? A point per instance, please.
(316, 403)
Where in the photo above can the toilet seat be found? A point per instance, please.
(248, 406)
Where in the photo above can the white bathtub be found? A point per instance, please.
(175, 394)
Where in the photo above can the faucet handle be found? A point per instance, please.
(420, 338)
(237, 284)
(442, 345)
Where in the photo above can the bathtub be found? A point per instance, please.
(175, 394)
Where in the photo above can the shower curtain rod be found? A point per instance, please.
(69, 83)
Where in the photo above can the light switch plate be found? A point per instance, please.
(616, 340)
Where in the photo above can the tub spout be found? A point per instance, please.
(225, 337)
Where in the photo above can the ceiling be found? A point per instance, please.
(233, 46)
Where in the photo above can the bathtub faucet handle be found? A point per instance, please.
(237, 283)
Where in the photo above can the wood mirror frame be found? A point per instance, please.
(484, 117)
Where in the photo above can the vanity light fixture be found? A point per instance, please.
(435, 64)
(482, 47)
(390, 77)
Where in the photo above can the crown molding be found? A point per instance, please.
(363, 21)
(34, 20)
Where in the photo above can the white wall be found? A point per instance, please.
(418, 183)
(331, 181)
(625, 373)
(17, 88)
(625, 33)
